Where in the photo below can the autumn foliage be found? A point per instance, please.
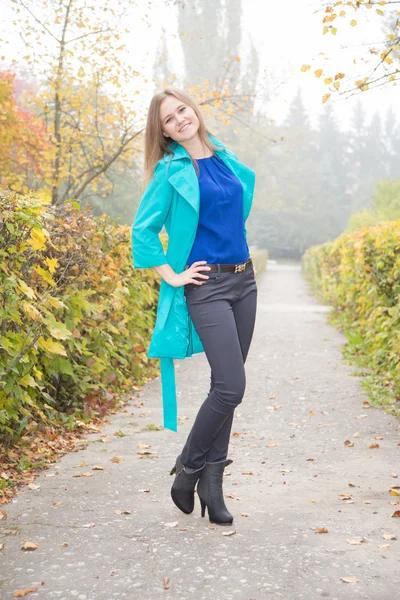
(75, 318)
(359, 275)
(23, 139)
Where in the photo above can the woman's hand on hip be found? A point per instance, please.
(191, 275)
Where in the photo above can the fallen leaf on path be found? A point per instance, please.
(236, 434)
(357, 542)
(87, 474)
(141, 445)
(389, 536)
(396, 513)
(310, 459)
(57, 503)
(244, 514)
(352, 485)
(360, 417)
(211, 527)
(356, 434)
(3, 514)
(64, 545)
(123, 512)
(373, 445)
(285, 470)
(232, 495)
(33, 486)
(89, 525)
(393, 475)
(387, 546)
(143, 452)
(83, 464)
(166, 583)
(321, 530)
(349, 443)
(229, 533)
(378, 437)
(116, 459)
(147, 490)
(345, 496)
(247, 473)
(29, 545)
(365, 501)
(98, 468)
(366, 404)
(394, 492)
(22, 593)
(171, 524)
(2, 546)
(113, 571)
(271, 445)
(349, 579)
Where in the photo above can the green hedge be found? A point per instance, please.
(75, 318)
(359, 275)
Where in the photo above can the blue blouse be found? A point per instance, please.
(220, 234)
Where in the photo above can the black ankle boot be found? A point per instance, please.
(182, 491)
(210, 492)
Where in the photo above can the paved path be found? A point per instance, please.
(301, 405)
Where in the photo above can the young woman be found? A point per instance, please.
(200, 191)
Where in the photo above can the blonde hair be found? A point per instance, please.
(155, 143)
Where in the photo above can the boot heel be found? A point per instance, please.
(203, 507)
(173, 470)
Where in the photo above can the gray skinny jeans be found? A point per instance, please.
(223, 311)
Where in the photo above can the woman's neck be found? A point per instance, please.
(196, 148)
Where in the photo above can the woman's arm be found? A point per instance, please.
(147, 249)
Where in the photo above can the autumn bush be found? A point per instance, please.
(75, 318)
(359, 275)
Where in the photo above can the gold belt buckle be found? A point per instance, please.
(239, 268)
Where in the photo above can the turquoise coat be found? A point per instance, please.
(172, 198)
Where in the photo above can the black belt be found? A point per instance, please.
(231, 268)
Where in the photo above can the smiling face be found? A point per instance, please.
(178, 120)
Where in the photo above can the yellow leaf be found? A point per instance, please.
(305, 68)
(237, 58)
(339, 76)
(25, 289)
(336, 85)
(342, 13)
(60, 332)
(328, 80)
(318, 72)
(380, 12)
(55, 302)
(44, 274)
(325, 30)
(31, 310)
(43, 196)
(334, 30)
(353, 22)
(52, 263)
(37, 239)
(51, 346)
(325, 98)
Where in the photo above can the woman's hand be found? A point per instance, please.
(190, 275)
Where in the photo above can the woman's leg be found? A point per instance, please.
(218, 322)
(244, 311)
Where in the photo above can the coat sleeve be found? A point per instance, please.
(147, 249)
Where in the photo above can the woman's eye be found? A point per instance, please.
(183, 108)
